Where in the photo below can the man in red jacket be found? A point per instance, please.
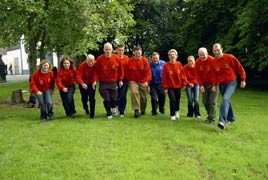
(138, 75)
(109, 71)
(122, 91)
(85, 79)
(207, 79)
(227, 68)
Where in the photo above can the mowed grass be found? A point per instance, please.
(150, 147)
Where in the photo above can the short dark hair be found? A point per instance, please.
(155, 53)
(120, 46)
(137, 48)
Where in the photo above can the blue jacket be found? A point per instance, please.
(157, 72)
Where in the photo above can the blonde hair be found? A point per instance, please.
(173, 50)
(44, 61)
(191, 57)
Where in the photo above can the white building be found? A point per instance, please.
(17, 57)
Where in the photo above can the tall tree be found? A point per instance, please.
(156, 28)
(253, 35)
(63, 26)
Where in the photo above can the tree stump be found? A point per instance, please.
(17, 97)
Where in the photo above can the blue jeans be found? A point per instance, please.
(67, 99)
(226, 110)
(46, 104)
(193, 104)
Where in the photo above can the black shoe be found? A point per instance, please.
(142, 113)
(162, 111)
(221, 125)
(210, 121)
(229, 122)
(136, 114)
(43, 119)
(87, 112)
(91, 115)
(71, 115)
(154, 113)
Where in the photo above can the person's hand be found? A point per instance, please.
(65, 89)
(213, 88)
(166, 91)
(84, 85)
(191, 85)
(120, 84)
(94, 85)
(130, 82)
(39, 93)
(243, 84)
(202, 89)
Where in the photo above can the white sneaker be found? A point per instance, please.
(114, 111)
(110, 117)
(198, 117)
(177, 114)
(173, 118)
(121, 115)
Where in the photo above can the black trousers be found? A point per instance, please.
(109, 93)
(88, 95)
(157, 98)
(174, 95)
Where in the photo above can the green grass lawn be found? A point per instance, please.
(127, 148)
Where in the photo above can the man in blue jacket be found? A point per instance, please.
(156, 90)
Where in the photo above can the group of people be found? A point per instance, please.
(116, 72)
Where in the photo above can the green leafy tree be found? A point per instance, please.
(253, 35)
(64, 26)
(156, 26)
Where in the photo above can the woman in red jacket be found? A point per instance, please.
(66, 78)
(42, 85)
(173, 79)
(192, 89)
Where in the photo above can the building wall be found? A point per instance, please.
(17, 57)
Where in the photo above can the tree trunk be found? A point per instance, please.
(17, 97)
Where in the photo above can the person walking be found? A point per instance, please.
(122, 91)
(138, 75)
(228, 66)
(66, 78)
(42, 85)
(207, 79)
(85, 78)
(173, 79)
(192, 89)
(156, 89)
(110, 73)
